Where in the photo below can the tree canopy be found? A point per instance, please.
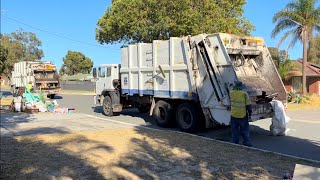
(3, 58)
(314, 50)
(300, 18)
(75, 62)
(132, 21)
(274, 52)
(19, 46)
(283, 64)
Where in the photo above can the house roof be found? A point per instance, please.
(315, 65)
(312, 70)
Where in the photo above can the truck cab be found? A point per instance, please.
(106, 73)
(107, 85)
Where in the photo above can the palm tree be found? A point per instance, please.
(285, 68)
(301, 18)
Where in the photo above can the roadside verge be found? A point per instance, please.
(76, 92)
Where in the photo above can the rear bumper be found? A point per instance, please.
(96, 99)
(261, 111)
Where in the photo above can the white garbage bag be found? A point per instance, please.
(55, 102)
(279, 120)
(41, 106)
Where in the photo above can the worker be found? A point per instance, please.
(240, 114)
(29, 86)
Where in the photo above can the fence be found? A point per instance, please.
(78, 85)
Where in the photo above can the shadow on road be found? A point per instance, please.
(300, 147)
(130, 113)
(58, 97)
(11, 119)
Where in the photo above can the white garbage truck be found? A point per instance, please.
(43, 75)
(187, 80)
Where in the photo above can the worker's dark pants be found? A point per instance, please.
(240, 126)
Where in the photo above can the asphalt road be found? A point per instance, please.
(303, 139)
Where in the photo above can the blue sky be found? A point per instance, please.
(76, 19)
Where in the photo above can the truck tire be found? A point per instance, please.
(107, 106)
(187, 118)
(163, 113)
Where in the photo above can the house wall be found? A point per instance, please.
(314, 85)
(313, 82)
(288, 85)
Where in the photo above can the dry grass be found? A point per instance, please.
(312, 104)
(5, 86)
(135, 154)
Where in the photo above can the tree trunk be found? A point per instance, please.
(304, 67)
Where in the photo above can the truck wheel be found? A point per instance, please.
(51, 96)
(187, 118)
(144, 108)
(163, 113)
(107, 106)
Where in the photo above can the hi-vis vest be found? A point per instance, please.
(29, 86)
(239, 101)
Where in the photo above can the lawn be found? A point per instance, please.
(312, 104)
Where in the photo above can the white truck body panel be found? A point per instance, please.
(22, 73)
(140, 73)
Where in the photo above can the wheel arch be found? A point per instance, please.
(104, 93)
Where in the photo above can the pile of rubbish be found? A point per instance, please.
(32, 103)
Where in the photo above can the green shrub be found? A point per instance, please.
(291, 97)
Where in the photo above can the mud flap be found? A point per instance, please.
(153, 104)
(95, 99)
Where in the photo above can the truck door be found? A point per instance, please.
(101, 82)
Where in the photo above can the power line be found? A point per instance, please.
(57, 35)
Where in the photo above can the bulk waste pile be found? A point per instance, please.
(26, 101)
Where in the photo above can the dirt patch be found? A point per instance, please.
(135, 154)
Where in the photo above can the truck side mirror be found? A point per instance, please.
(94, 72)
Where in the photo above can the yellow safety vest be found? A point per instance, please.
(29, 86)
(239, 101)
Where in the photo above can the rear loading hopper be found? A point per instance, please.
(223, 59)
